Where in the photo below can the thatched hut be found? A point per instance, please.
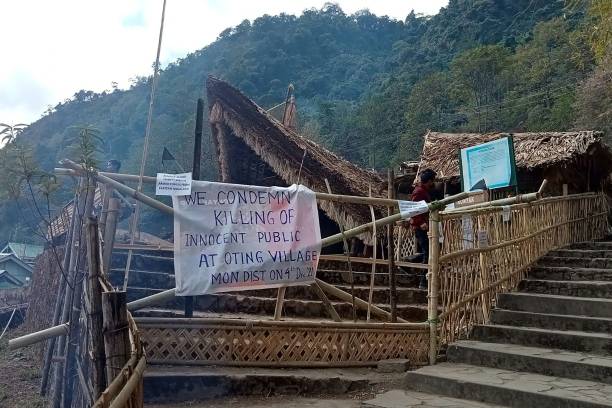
(579, 159)
(255, 148)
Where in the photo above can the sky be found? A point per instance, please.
(51, 49)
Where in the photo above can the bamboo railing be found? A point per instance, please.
(487, 251)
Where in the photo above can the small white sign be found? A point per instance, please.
(411, 208)
(506, 213)
(173, 184)
(483, 239)
(468, 232)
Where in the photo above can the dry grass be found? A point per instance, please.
(283, 150)
(19, 375)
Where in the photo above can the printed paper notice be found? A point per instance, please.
(173, 184)
(483, 239)
(411, 208)
(467, 228)
(506, 213)
(230, 237)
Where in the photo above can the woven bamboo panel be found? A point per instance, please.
(471, 274)
(277, 346)
(404, 242)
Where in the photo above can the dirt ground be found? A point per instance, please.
(271, 402)
(19, 376)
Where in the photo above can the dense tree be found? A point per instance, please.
(368, 87)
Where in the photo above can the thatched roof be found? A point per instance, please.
(254, 148)
(532, 150)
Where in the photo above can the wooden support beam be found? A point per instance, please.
(33, 338)
(328, 305)
(109, 232)
(391, 250)
(94, 318)
(115, 332)
(359, 303)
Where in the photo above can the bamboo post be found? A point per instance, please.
(328, 305)
(391, 250)
(59, 302)
(115, 332)
(347, 254)
(109, 232)
(484, 275)
(360, 303)
(75, 301)
(565, 189)
(33, 338)
(374, 256)
(94, 318)
(280, 299)
(195, 175)
(432, 284)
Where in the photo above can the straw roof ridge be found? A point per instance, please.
(283, 150)
(532, 150)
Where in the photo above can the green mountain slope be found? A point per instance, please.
(367, 86)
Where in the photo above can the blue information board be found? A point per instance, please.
(489, 165)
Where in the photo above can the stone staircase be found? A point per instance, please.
(153, 272)
(548, 345)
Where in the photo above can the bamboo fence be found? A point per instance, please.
(488, 251)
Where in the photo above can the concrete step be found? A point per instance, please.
(508, 388)
(551, 321)
(590, 289)
(570, 274)
(405, 399)
(602, 263)
(182, 384)
(342, 276)
(596, 343)
(565, 305)
(604, 245)
(546, 361)
(582, 253)
(240, 303)
(143, 279)
(159, 262)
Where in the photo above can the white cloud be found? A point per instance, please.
(52, 49)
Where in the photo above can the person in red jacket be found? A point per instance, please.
(420, 223)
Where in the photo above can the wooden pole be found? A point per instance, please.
(328, 305)
(432, 284)
(109, 233)
(81, 202)
(360, 303)
(196, 175)
(347, 255)
(374, 256)
(39, 336)
(280, 300)
(115, 332)
(75, 309)
(391, 250)
(94, 318)
(59, 302)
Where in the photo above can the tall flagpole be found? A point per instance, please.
(135, 218)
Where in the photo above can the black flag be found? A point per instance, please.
(167, 156)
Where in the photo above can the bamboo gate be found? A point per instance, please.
(475, 253)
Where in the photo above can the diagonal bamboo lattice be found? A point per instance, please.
(280, 343)
(489, 251)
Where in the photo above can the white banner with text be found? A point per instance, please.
(230, 237)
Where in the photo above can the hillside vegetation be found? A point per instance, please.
(367, 87)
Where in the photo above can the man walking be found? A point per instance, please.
(420, 223)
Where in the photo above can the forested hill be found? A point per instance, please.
(366, 86)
